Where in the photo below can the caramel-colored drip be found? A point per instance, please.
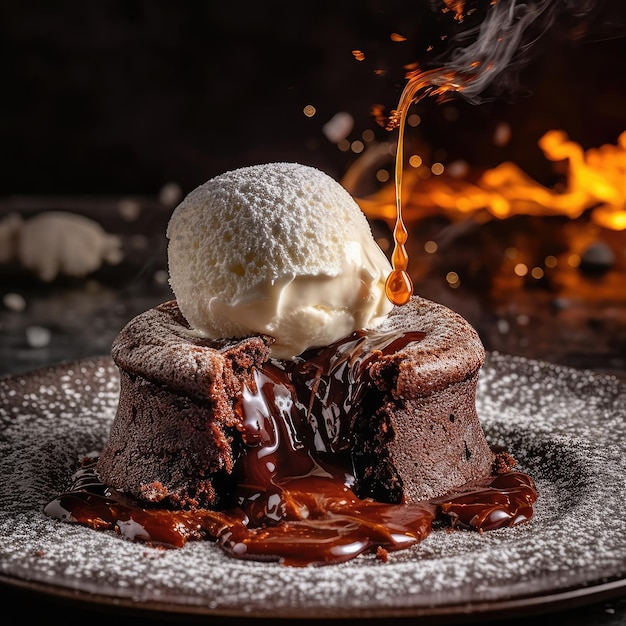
(399, 286)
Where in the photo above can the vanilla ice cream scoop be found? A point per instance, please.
(280, 249)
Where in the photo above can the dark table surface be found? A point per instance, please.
(576, 318)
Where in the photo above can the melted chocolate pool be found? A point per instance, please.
(294, 501)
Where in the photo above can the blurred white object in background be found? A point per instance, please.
(338, 127)
(170, 194)
(57, 242)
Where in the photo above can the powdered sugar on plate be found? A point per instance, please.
(567, 429)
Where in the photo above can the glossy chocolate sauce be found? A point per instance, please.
(294, 501)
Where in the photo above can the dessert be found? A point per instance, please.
(238, 424)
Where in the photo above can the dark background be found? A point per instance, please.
(124, 96)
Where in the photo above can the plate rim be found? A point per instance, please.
(523, 606)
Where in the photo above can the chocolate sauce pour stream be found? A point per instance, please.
(294, 502)
(399, 287)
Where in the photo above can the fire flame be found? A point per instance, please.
(595, 181)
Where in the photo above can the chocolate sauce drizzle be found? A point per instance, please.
(294, 502)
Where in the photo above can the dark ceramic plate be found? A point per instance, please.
(567, 428)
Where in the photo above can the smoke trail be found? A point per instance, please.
(487, 57)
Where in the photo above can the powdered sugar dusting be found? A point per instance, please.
(567, 429)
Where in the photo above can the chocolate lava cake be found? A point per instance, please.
(393, 408)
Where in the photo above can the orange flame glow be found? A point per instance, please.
(595, 181)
